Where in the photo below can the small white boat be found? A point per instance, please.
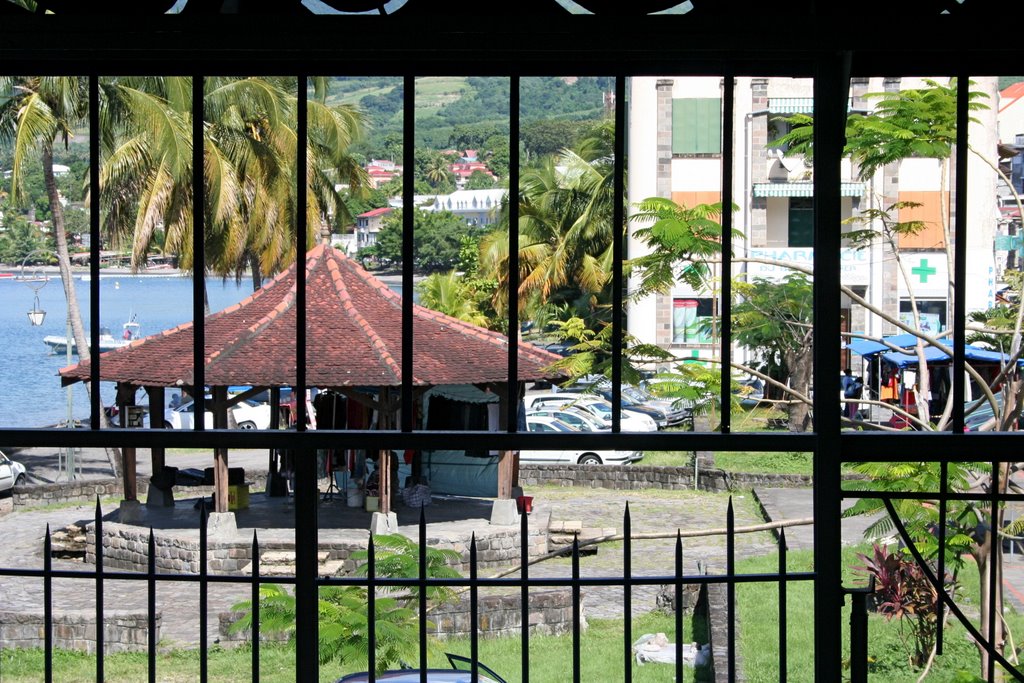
(58, 343)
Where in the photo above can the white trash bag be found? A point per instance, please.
(655, 647)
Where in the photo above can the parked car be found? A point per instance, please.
(574, 417)
(539, 423)
(11, 473)
(461, 672)
(631, 421)
(982, 415)
(663, 411)
(248, 414)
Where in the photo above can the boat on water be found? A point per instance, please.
(108, 342)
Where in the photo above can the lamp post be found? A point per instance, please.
(36, 281)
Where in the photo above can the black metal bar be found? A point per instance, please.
(940, 613)
(963, 88)
(204, 590)
(301, 240)
(831, 92)
(524, 595)
(783, 608)
(678, 583)
(513, 256)
(151, 605)
(422, 574)
(618, 250)
(94, 252)
(198, 254)
(627, 594)
(994, 563)
(307, 597)
(48, 606)
(371, 610)
(254, 632)
(859, 632)
(725, 308)
(408, 246)
(576, 674)
(474, 616)
(730, 586)
(99, 591)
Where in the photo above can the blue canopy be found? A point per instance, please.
(869, 349)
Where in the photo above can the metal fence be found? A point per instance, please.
(519, 44)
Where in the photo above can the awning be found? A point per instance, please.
(794, 105)
(869, 349)
(802, 189)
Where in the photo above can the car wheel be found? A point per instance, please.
(21, 480)
(248, 424)
(168, 425)
(589, 459)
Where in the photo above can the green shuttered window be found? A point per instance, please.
(697, 125)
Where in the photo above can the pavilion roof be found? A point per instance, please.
(353, 337)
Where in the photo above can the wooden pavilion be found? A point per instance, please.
(354, 340)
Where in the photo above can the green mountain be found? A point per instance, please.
(465, 111)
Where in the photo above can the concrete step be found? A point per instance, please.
(287, 557)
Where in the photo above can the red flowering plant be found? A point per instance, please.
(904, 592)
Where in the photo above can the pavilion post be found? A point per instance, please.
(506, 459)
(384, 481)
(220, 455)
(156, 421)
(125, 398)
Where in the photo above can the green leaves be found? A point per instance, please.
(680, 241)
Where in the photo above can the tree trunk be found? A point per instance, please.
(74, 311)
(799, 366)
(255, 271)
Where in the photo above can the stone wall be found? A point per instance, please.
(87, 490)
(123, 631)
(126, 547)
(630, 477)
(551, 613)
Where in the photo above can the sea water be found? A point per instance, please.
(30, 390)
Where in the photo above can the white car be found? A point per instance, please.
(11, 473)
(247, 414)
(537, 423)
(595, 405)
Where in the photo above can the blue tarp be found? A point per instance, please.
(869, 349)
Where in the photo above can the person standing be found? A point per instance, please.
(853, 391)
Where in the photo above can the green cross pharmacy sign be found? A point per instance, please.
(923, 271)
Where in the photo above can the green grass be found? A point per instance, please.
(601, 657)
(758, 607)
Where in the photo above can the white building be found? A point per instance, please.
(476, 207)
(675, 151)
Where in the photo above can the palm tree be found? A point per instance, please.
(449, 293)
(38, 113)
(565, 236)
(249, 151)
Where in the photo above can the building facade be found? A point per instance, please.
(675, 151)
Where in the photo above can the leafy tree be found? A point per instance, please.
(774, 319)
(19, 239)
(437, 240)
(478, 180)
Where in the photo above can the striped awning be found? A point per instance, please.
(795, 105)
(802, 189)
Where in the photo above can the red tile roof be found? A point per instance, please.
(376, 212)
(1010, 94)
(353, 337)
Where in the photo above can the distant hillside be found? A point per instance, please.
(445, 104)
